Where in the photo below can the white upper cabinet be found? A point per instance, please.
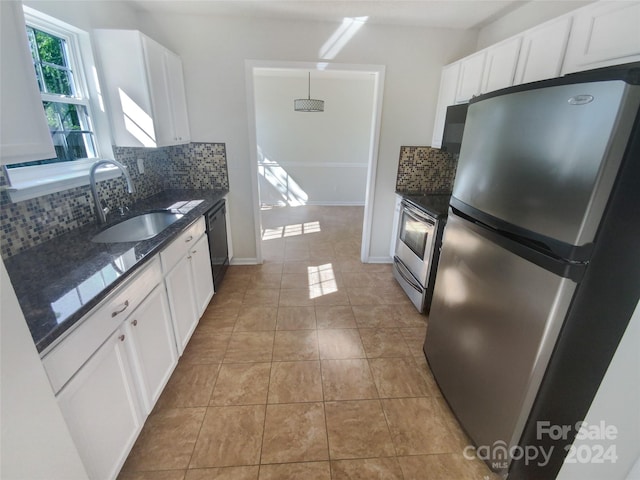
(500, 64)
(601, 34)
(542, 51)
(470, 80)
(24, 134)
(144, 90)
(446, 97)
(175, 84)
(604, 33)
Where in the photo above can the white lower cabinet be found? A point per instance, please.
(187, 274)
(109, 372)
(183, 309)
(152, 346)
(101, 408)
(202, 277)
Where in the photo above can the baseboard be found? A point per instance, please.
(379, 260)
(243, 261)
(335, 204)
(324, 204)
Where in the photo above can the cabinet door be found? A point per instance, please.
(202, 278)
(100, 407)
(126, 88)
(542, 51)
(153, 346)
(604, 33)
(500, 65)
(470, 82)
(446, 97)
(154, 54)
(175, 82)
(24, 134)
(180, 290)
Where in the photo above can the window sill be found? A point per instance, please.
(53, 179)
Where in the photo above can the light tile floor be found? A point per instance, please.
(309, 366)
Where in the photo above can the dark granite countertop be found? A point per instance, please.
(435, 204)
(60, 281)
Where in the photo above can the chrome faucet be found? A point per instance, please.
(101, 212)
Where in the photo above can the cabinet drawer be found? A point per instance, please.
(179, 247)
(65, 359)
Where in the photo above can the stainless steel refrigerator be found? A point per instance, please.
(539, 265)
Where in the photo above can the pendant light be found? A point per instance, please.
(308, 104)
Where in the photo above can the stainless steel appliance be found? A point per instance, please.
(421, 221)
(454, 121)
(217, 236)
(540, 266)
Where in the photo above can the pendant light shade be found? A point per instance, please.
(308, 104)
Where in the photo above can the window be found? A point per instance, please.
(66, 74)
(66, 105)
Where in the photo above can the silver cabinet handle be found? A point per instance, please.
(126, 305)
(134, 323)
(121, 338)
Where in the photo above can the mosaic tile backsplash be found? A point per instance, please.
(29, 223)
(425, 170)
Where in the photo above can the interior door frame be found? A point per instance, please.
(378, 71)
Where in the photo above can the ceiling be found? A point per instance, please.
(462, 14)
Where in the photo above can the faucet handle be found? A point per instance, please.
(105, 207)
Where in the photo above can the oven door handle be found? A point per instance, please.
(407, 275)
(418, 215)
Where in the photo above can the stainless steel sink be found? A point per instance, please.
(138, 228)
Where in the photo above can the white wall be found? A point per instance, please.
(35, 442)
(88, 15)
(528, 15)
(617, 404)
(214, 49)
(321, 158)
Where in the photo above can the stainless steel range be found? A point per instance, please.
(422, 219)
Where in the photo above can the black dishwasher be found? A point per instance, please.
(217, 233)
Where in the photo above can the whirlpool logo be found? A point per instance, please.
(580, 100)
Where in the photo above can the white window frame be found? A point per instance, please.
(38, 180)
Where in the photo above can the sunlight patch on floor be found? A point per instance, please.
(292, 230)
(322, 280)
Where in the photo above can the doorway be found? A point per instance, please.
(298, 167)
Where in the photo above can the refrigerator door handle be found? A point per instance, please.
(406, 275)
(559, 266)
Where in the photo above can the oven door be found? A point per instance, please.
(416, 237)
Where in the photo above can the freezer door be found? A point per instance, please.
(545, 159)
(494, 320)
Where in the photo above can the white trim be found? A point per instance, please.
(373, 162)
(315, 164)
(320, 203)
(39, 180)
(251, 66)
(379, 260)
(244, 261)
